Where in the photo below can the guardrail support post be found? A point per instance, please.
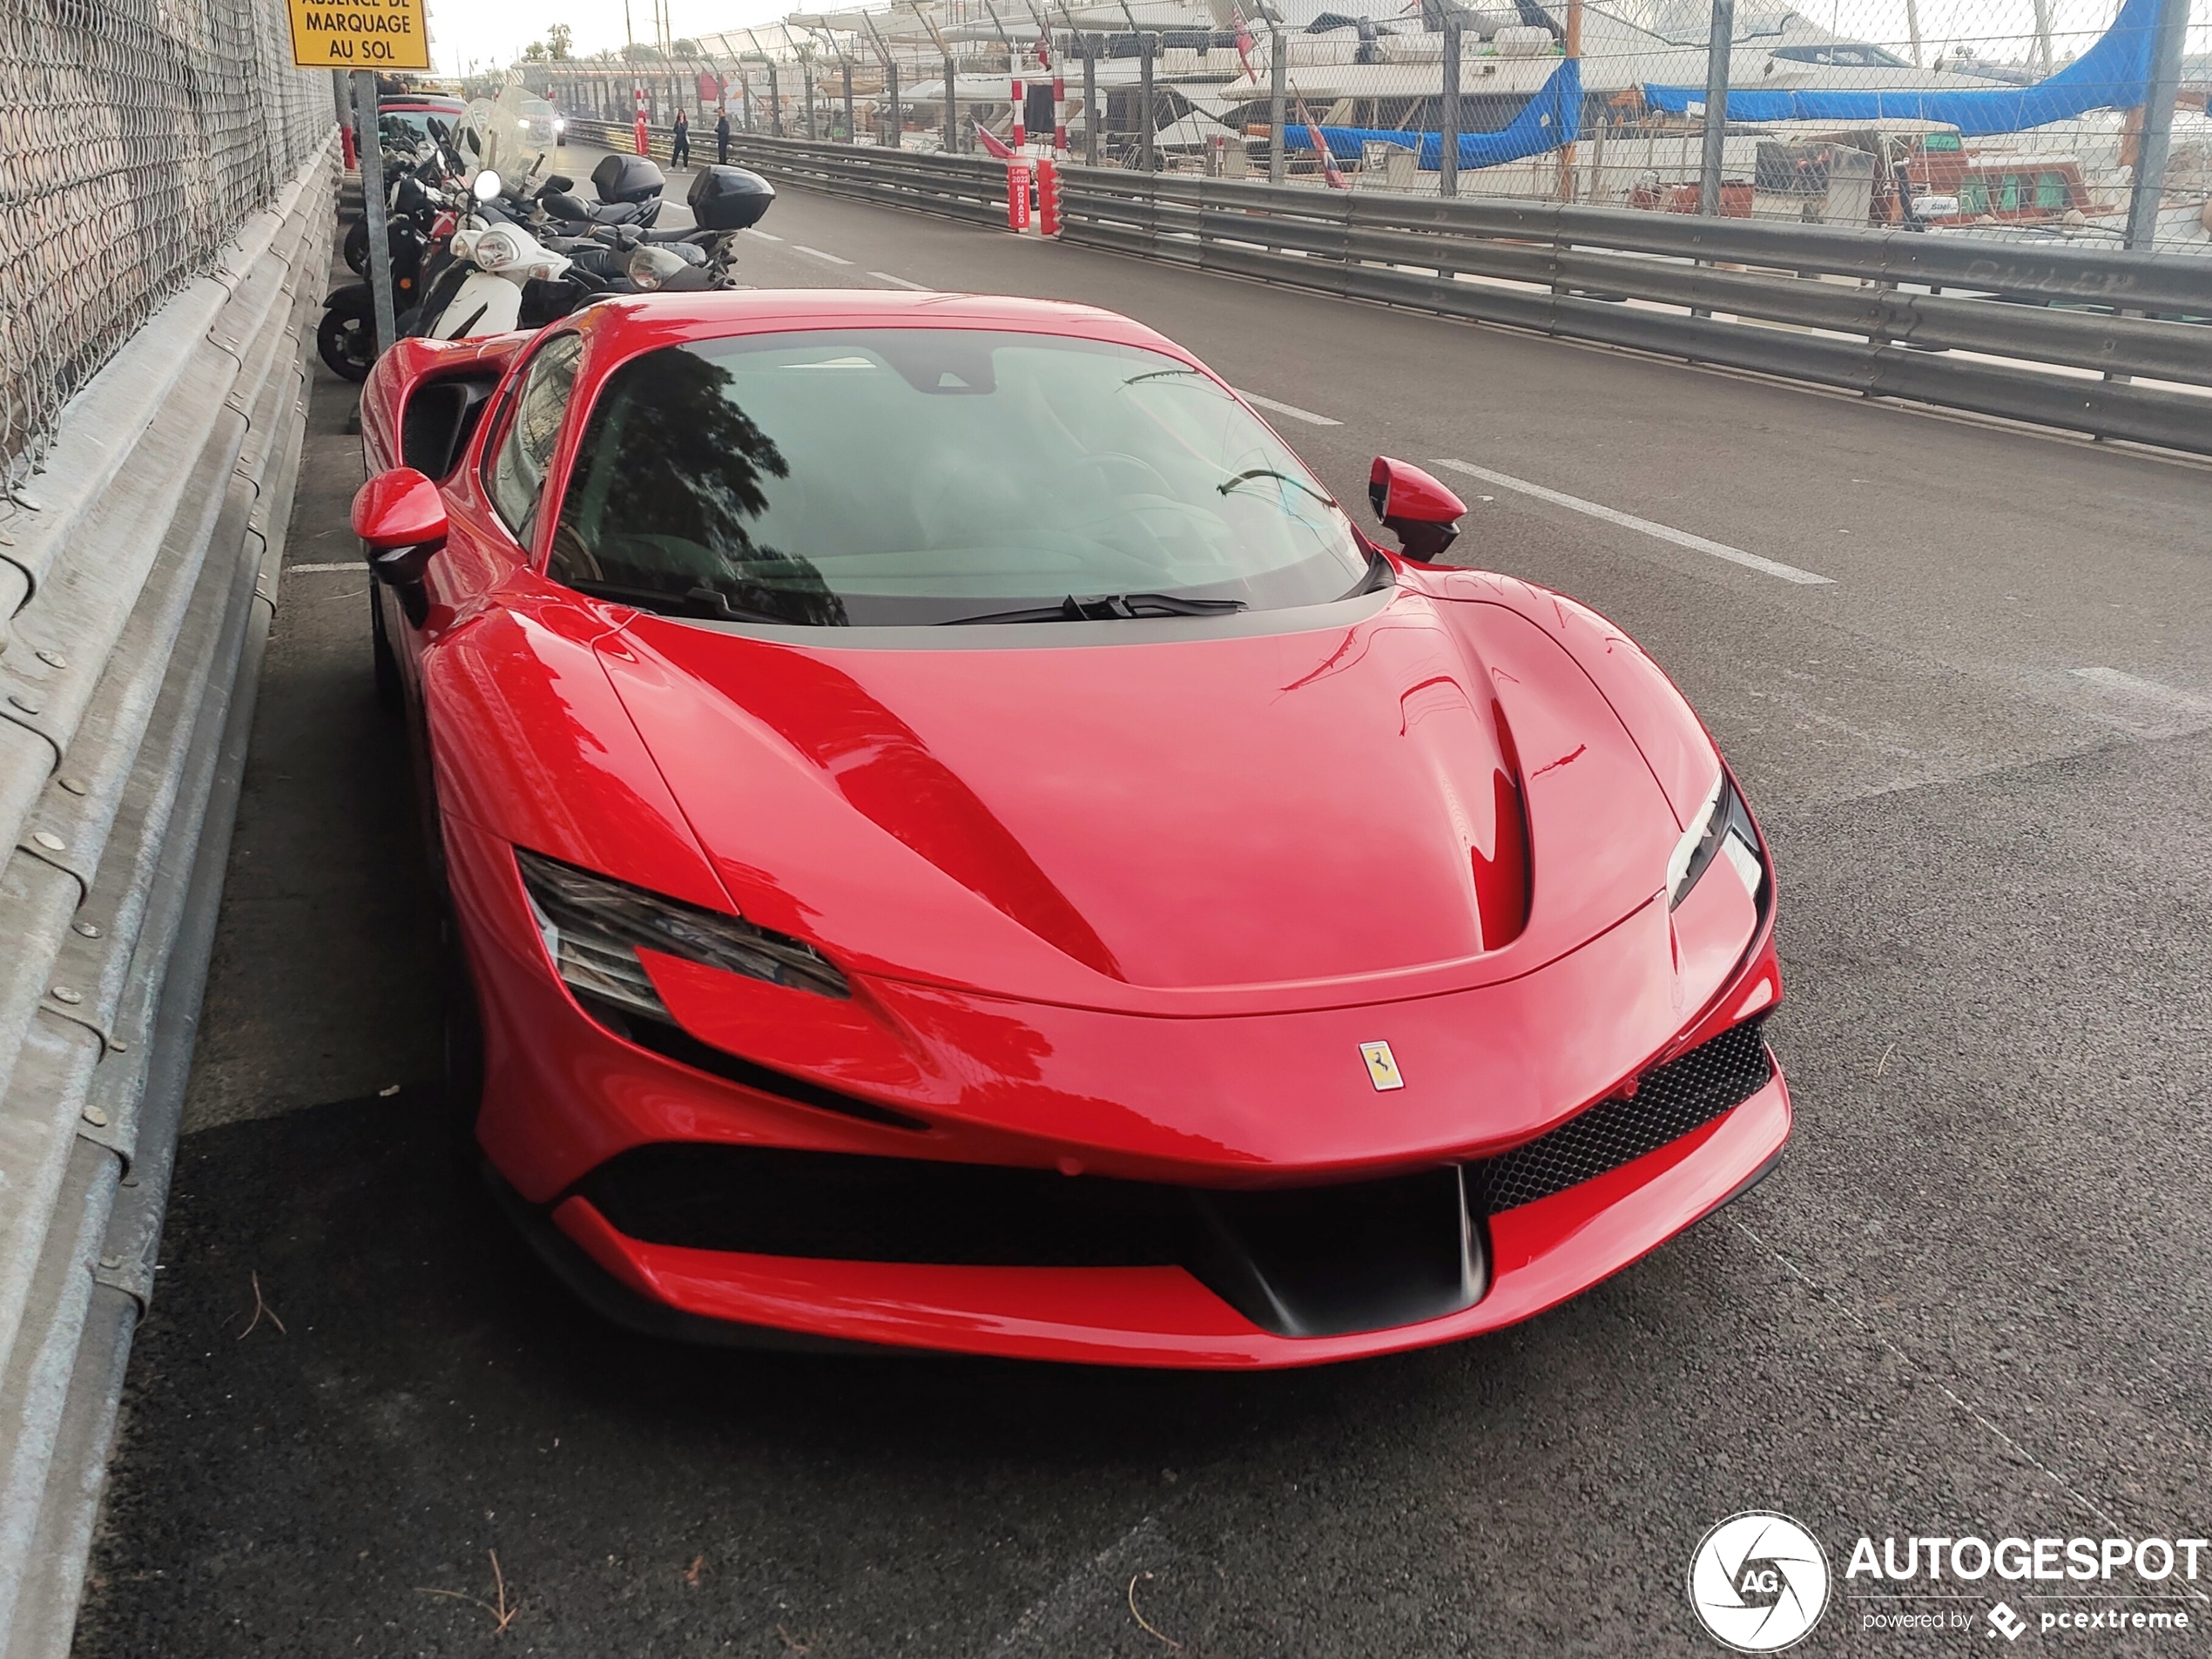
(369, 136)
(1145, 158)
(1090, 101)
(1279, 83)
(1448, 152)
(1722, 40)
(2158, 122)
(952, 112)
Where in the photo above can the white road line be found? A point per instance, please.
(1630, 521)
(901, 282)
(763, 235)
(359, 566)
(815, 253)
(1291, 409)
(2114, 679)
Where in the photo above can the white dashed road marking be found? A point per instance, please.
(901, 282)
(763, 235)
(1630, 521)
(2114, 679)
(1291, 409)
(817, 253)
(324, 570)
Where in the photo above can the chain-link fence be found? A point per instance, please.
(135, 135)
(2082, 120)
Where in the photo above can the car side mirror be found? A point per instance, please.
(1415, 508)
(401, 518)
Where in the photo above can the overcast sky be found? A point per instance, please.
(475, 33)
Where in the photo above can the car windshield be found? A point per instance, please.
(903, 475)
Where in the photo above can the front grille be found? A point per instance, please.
(1308, 1261)
(1671, 1100)
(1300, 1261)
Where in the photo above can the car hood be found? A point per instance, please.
(1386, 796)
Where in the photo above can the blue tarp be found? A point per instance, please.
(1551, 117)
(2112, 74)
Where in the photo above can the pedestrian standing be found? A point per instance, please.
(722, 137)
(679, 148)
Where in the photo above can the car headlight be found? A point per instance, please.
(594, 927)
(1722, 829)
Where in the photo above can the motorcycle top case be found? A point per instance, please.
(627, 179)
(728, 198)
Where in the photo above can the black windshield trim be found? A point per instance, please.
(1138, 630)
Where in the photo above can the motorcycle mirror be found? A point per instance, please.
(1420, 512)
(485, 188)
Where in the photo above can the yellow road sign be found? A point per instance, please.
(360, 34)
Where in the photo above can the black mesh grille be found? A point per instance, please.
(1669, 1101)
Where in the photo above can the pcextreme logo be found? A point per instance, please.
(1758, 1583)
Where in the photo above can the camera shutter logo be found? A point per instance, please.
(1758, 1583)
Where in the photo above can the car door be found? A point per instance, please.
(491, 516)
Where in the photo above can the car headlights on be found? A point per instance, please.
(1722, 829)
(594, 927)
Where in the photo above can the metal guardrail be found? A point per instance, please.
(2057, 336)
(1889, 313)
(965, 187)
(128, 661)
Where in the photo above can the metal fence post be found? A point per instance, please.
(370, 141)
(806, 86)
(895, 123)
(852, 132)
(2158, 122)
(1447, 151)
(1145, 159)
(775, 103)
(1278, 87)
(1092, 115)
(1721, 39)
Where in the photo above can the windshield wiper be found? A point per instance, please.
(1250, 474)
(1109, 607)
(701, 600)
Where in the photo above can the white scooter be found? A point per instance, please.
(503, 258)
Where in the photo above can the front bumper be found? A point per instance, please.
(1540, 1254)
(566, 1101)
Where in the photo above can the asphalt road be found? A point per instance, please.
(1973, 1298)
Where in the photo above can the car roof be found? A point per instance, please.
(437, 102)
(634, 323)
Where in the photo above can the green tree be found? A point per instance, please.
(559, 40)
(535, 52)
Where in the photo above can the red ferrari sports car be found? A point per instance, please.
(954, 839)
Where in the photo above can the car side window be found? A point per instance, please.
(515, 479)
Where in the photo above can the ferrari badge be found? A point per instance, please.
(1382, 1065)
